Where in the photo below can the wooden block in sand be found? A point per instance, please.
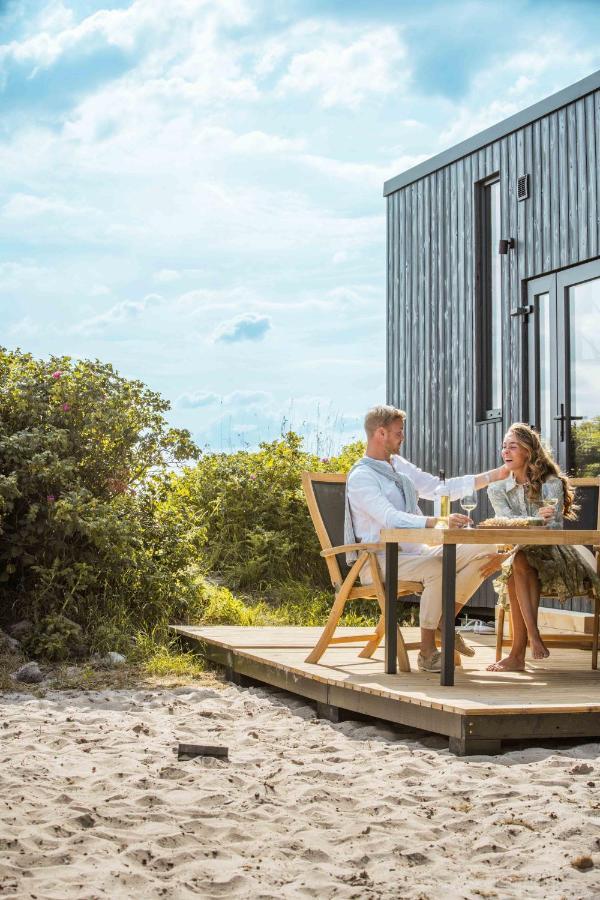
(190, 751)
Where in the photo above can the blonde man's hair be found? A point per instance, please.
(382, 417)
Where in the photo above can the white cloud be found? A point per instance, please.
(118, 315)
(198, 400)
(127, 28)
(247, 327)
(234, 399)
(247, 398)
(263, 144)
(52, 219)
(100, 290)
(468, 122)
(527, 76)
(55, 17)
(167, 275)
(18, 273)
(361, 173)
(345, 70)
(27, 206)
(340, 256)
(27, 328)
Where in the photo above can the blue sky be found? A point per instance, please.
(193, 190)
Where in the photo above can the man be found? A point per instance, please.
(382, 492)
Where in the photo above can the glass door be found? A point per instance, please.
(542, 361)
(564, 365)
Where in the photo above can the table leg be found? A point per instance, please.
(391, 599)
(448, 615)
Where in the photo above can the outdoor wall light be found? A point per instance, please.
(504, 246)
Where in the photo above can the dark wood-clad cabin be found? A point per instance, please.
(493, 292)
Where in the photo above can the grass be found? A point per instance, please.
(166, 661)
(290, 603)
(157, 658)
(158, 665)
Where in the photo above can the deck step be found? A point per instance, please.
(565, 620)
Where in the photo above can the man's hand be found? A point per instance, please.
(493, 564)
(489, 477)
(457, 520)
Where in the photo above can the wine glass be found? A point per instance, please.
(549, 497)
(468, 503)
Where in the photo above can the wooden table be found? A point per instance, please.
(448, 539)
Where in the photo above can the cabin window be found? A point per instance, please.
(490, 301)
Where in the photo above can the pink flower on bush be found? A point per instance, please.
(57, 374)
(324, 459)
(66, 407)
(50, 498)
(253, 477)
(116, 485)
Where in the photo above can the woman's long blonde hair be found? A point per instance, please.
(540, 466)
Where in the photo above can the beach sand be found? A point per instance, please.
(94, 803)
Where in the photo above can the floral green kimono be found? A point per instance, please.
(563, 571)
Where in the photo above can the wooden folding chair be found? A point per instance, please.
(325, 495)
(588, 497)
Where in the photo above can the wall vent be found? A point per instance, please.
(523, 187)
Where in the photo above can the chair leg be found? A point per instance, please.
(334, 616)
(499, 632)
(596, 628)
(336, 611)
(370, 648)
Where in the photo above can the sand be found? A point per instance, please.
(94, 803)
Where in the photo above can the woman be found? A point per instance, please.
(561, 571)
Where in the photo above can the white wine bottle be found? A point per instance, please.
(443, 502)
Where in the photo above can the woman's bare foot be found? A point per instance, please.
(508, 664)
(538, 648)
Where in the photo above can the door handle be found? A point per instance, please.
(562, 419)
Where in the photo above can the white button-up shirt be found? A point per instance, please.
(377, 502)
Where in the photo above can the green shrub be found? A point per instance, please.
(88, 534)
(251, 504)
(222, 608)
(585, 437)
(56, 638)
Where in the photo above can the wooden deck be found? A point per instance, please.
(557, 697)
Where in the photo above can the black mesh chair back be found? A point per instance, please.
(586, 497)
(331, 502)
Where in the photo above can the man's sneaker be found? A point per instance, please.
(459, 644)
(462, 647)
(431, 663)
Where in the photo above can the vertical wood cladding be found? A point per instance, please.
(431, 278)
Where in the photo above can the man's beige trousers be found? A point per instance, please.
(427, 568)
